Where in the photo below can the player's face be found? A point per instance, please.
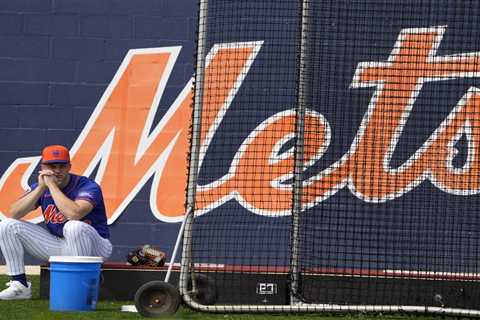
(60, 172)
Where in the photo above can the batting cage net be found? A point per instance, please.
(335, 159)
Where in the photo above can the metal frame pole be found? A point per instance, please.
(194, 148)
(303, 91)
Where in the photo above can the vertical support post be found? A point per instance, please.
(195, 145)
(303, 91)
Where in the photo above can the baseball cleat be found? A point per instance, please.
(16, 291)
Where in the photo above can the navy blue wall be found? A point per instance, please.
(57, 58)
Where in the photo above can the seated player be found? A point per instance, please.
(74, 215)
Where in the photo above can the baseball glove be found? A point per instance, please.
(146, 256)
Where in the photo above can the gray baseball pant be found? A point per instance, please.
(80, 239)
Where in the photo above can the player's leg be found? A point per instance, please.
(15, 237)
(81, 239)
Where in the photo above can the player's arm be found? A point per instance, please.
(27, 203)
(72, 210)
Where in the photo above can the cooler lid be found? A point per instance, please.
(76, 259)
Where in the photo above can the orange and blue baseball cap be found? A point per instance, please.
(55, 154)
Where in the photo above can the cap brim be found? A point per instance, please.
(56, 161)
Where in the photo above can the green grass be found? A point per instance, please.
(106, 310)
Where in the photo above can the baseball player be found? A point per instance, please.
(74, 215)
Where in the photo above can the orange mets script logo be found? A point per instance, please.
(52, 215)
(120, 141)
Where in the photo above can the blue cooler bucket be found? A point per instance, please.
(74, 283)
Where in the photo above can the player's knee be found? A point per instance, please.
(8, 225)
(75, 229)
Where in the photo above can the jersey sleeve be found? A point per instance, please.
(90, 192)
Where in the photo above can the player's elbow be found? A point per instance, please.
(76, 213)
(15, 211)
(73, 215)
(80, 209)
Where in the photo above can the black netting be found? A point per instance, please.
(391, 148)
(248, 106)
(394, 192)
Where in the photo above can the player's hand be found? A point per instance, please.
(50, 180)
(41, 180)
(46, 178)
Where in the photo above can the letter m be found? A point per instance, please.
(118, 142)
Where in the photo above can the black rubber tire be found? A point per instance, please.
(206, 290)
(157, 298)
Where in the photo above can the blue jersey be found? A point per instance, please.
(78, 188)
